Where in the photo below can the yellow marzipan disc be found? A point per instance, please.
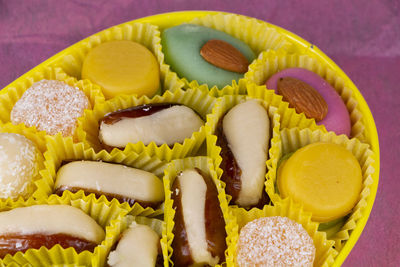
(325, 178)
(122, 67)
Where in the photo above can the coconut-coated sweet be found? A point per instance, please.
(274, 241)
(52, 106)
(18, 165)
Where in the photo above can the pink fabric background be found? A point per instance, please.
(362, 37)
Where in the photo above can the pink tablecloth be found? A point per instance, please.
(362, 37)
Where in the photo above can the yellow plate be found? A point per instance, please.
(170, 19)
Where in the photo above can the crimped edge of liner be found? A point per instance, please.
(293, 139)
(325, 254)
(205, 164)
(143, 33)
(10, 95)
(198, 100)
(236, 88)
(274, 61)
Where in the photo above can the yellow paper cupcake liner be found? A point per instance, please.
(221, 108)
(205, 164)
(271, 62)
(293, 139)
(38, 138)
(10, 95)
(324, 255)
(61, 149)
(105, 215)
(143, 33)
(199, 101)
(236, 88)
(153, 223)
(258, 35)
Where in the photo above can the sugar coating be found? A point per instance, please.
(18, 165)
(50, 105)
(274, 241)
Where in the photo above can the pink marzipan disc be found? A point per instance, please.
(337, 118)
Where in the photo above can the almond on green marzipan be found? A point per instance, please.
(225, 56)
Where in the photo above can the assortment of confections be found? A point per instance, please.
(219, 157)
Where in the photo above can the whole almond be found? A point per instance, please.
(225, 56)
(302, 97)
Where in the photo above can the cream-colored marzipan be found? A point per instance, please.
(193, 190)
(247, 130)
(137, 247)
(50, 219)
(168, 126)
(111, 178)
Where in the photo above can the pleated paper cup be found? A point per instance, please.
(259, 36)
(324, 255)
(271, 62)
(236, 88)
(10, 95)
(61, 150)
(200, 102)
(206, 165)
(293, 139)
(106, 216)
(142, 33)
(38, 139)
